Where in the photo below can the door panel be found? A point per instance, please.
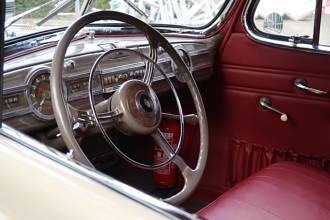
(256, 137)
(245, 138)
(306, 131)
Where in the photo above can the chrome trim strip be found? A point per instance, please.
(30, 145)
(49, 61)
(20, 112)
(15, 89)
(278, 43)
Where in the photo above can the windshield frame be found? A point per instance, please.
(202, 31)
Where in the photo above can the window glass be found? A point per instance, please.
(192, 13)
(25, 17)
(325, 24)
(286, 17)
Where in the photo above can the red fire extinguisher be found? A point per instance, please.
(166, 176)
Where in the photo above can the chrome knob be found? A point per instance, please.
(265, 103)
(69, 65)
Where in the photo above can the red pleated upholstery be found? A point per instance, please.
(249, 158)
(282, 191)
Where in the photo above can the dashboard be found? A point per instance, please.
(26, 96)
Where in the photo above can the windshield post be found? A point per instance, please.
(85, 6)
(2, 23)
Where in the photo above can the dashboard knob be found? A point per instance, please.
(105, 80)
(69, 65)
(110, 79)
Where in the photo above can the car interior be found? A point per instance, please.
(226, 117)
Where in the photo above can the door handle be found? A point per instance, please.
(302, 84)
(266, 104)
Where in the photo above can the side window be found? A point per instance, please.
(296, 23)
(296, 16)
(325, 24)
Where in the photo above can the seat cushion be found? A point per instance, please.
(282, 191)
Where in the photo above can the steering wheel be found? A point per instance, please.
(134, 108)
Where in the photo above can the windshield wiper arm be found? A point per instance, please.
(137, 9)
(59, 6)
(14, 19)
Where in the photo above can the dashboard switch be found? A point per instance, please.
(69, 65)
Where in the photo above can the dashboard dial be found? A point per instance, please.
(40, 97)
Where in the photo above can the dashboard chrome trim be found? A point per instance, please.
(15, 89)
(20, 73)
(23, 111)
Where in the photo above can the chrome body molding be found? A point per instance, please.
(20, 71)
(30, 146)
(252, 33)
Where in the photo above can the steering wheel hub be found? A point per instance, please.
(145, 102)
(139, 105)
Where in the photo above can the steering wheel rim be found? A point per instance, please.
(62, 112)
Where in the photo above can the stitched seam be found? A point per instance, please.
(303, 175)
(259, 208)
(292, 193)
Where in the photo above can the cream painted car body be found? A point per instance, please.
(37, 183)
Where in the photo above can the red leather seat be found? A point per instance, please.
(282, 191)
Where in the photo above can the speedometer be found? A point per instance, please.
(39, 94)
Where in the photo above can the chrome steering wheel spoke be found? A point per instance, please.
(190, 119)
(163, 143)
(86, 118)
(150, 66)
(110, 117)
(169, 151)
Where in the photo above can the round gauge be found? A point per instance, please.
(39, 95)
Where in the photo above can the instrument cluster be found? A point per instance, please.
(27, 96)
(76, 87)
(39, 96)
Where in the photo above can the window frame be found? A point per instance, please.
(309, 45)
(2, 39)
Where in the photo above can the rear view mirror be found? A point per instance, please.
(273, 22)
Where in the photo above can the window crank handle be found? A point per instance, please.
(265, 103)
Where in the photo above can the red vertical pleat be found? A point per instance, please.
(248, 158)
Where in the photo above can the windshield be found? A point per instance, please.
(29, 16)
